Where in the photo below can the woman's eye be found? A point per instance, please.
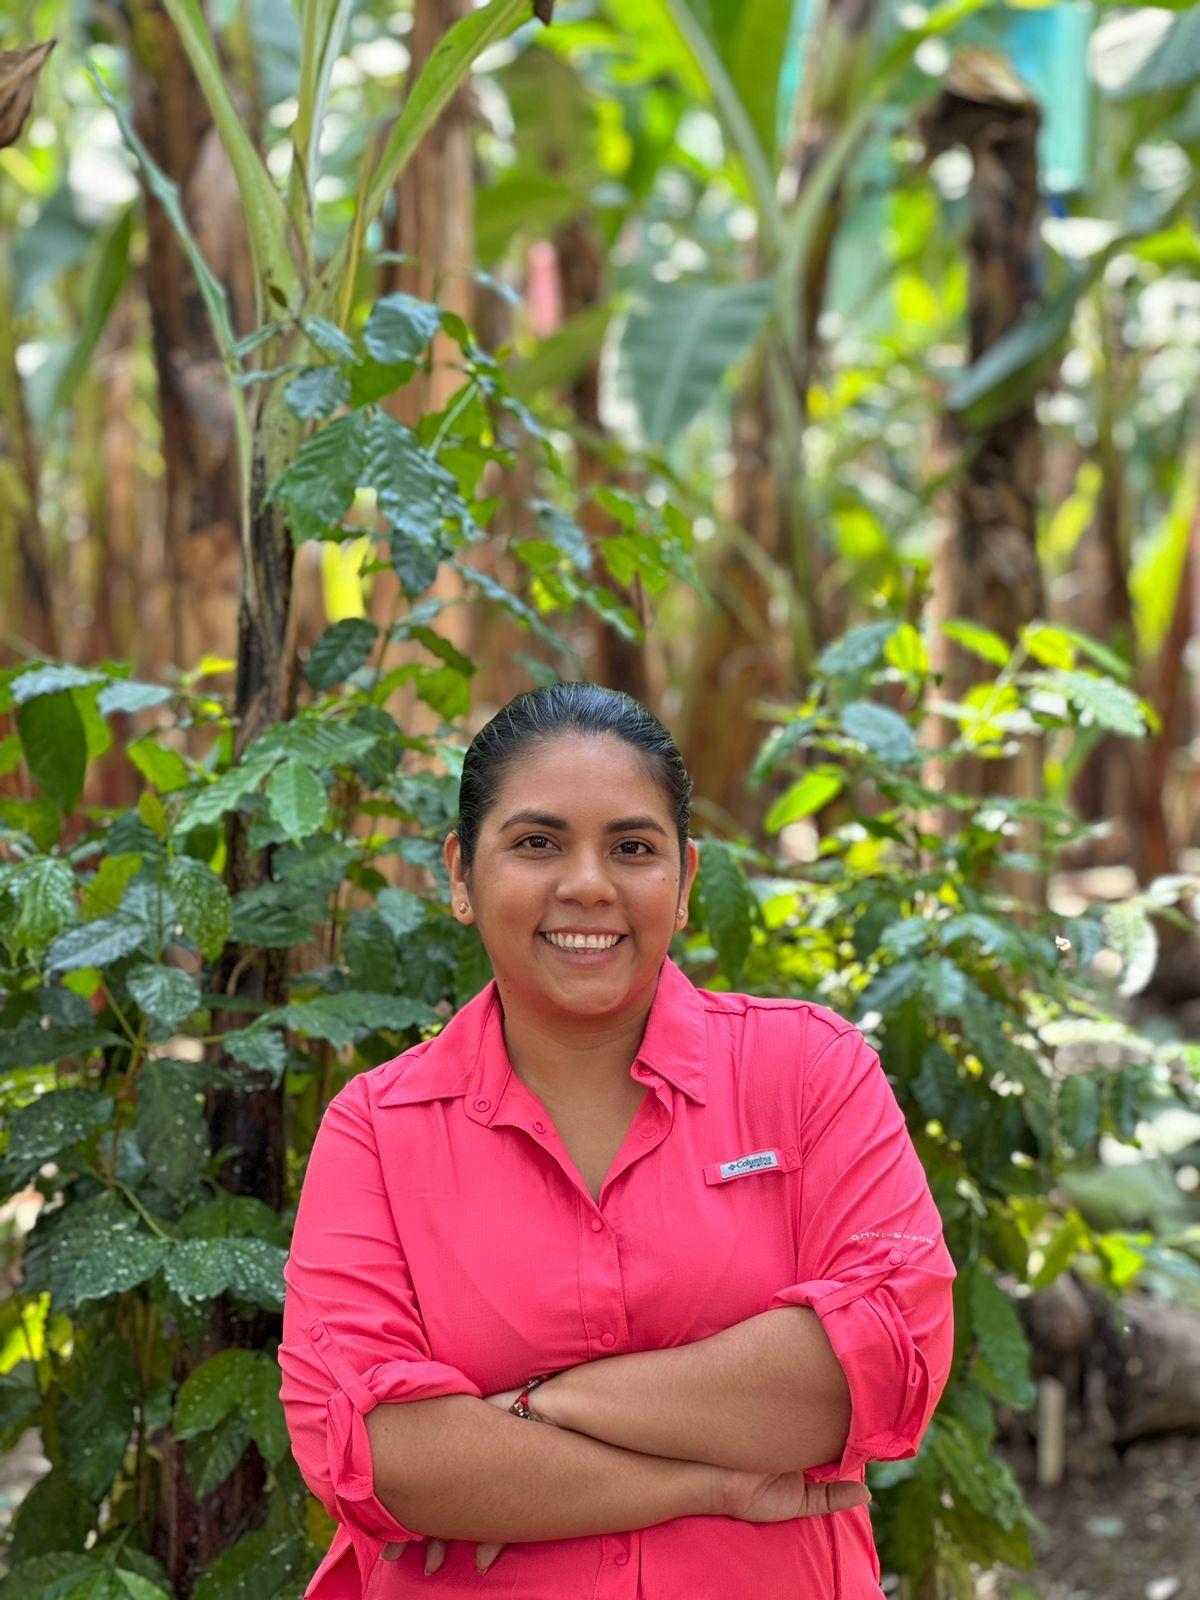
(640, 844)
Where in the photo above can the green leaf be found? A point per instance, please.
(212, 1456)
(163, 767)
(317, 392)
(399, 328)
(401, 909)
(244, 1382)
(297, 799)
(341, 650)
(106, 279)
(317, 488)
(255, 1568)
(46, 898)
(982, 1480)
(213, 1391)
(884, 732)
(678, 343)
(55, 745)
(330, 340)
(261, 1049)
(96, 1424)
(1079, 1110)
(202, 903)
(1066, 1243)
(172, 1132)
(856, 651)
(52, 1517)
(202, 1269)
(412, 487)
(728, 904)
(980, 641)
(31, 1045)
(1110, 705)
(166, 994)
(211, 803)
(43, 1129)
(564, 533)
(95, 944)
(342, 1018)
(776, 747)
(815, 789)
(414, 564)
(51, 677)
(1002, 1342)
(1010, 372)
(95, 1249)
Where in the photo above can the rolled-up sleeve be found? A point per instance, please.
(871, 1259)
(353, 1337)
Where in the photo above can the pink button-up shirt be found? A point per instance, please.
(446, 1244)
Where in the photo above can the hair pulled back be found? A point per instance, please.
(566, 709)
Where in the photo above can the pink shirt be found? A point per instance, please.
(446, 1244)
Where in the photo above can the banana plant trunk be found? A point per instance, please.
(202, 481)
(987, 569)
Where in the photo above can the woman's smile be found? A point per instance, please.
(584, 950)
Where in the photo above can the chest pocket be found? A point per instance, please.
(756, 1163)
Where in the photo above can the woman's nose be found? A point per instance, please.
(585, 878)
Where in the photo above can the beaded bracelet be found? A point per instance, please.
(520, 1406)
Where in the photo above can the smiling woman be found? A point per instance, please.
(681, 1212)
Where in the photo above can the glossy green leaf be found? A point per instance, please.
(297, 799)
(165, 994)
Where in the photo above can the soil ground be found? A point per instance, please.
(1131, 1534)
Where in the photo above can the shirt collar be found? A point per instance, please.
(471, 1046)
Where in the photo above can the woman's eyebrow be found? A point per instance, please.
(544, 819)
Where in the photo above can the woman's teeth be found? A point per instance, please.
(584, 941)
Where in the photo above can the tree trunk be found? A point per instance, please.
(987, 568)
(26, 581)
(203, 492)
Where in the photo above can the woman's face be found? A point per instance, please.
(579, 841)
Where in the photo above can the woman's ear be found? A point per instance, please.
(691, 864)
(460, 897)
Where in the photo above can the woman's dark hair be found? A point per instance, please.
(559, 709)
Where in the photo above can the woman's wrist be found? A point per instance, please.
(549, 1402)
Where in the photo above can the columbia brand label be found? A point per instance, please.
(761, 1158)
(783, 1158)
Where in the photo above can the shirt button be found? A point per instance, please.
(621, 1559)
(642, 1070)
(648, 1133)
(539, 1127)
(482, 1105)
(596, 1225)
(897, 1256)
(608, 1340)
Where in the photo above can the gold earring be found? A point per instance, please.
(463, 906)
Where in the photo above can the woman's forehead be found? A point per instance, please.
(616, 773)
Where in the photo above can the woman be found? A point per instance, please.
(694, 1219)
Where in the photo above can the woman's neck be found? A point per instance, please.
(576, 1064)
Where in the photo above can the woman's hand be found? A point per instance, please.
(776, 1496)
(435, 1549)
